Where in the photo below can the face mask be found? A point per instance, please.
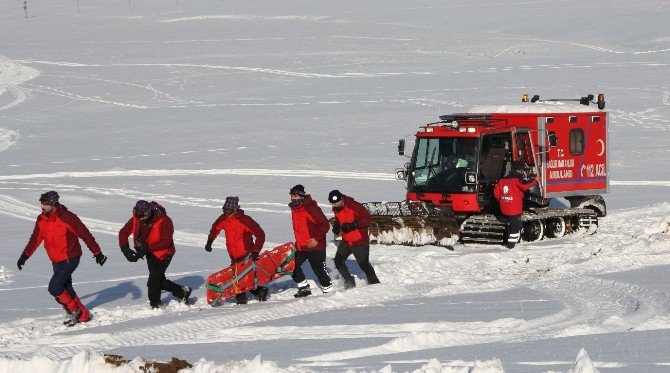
(338, 208)
(297, 202)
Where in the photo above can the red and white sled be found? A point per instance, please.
(246, 274)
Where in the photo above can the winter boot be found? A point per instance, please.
(303, 291)
(241, 298)
(373, 280)
(74, 319)
(65, 299)
(262, 293)
(187, 293)
(349, 282)
(155, 306)
(84, 314)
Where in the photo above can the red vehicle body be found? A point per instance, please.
(566, 151)
(457, 161)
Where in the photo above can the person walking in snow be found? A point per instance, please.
(60, 230)
(352, 220)
(310, 227)
(240, 230)
(152, 232)
(509, 192)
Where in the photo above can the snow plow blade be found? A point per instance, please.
(412, 223)
(417, 224)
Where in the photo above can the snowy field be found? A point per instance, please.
(187, 102)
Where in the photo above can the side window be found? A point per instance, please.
(576, 141)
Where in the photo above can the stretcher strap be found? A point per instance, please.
(253, 267)
(222, 288)
(280, 269)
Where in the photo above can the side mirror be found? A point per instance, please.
(471, 177)
(400, 174)
(553, 140)
(401, 147)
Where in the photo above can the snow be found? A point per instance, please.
(186, 103)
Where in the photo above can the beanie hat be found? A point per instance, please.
(334, 196)
(49, 198)
(143, 208)
(298, 189)
(232, 203)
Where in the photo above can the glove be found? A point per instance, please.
(208, 246)
(22, 261)
(254, 256)
(141, 250)
(130, 255)
(336, 227)
(348, 227)
(100, 259)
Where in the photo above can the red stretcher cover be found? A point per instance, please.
(246, 274)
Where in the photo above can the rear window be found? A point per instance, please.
(576, 141)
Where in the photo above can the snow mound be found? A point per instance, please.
(583, 364)
(4, 275)
(656, 229)
(86, 361)
(13, 73)
(7, 138)
(459, 366)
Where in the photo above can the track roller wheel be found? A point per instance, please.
(532, 231)
(555, 227)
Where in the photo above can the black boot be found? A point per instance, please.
(187, 293)
(303, 292)
(262, 293)
(373, 280)
(241, 298)
(349, 282)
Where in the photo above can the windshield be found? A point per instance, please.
(439, 165)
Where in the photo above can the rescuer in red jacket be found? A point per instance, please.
(60, 230)
(152, 232)
(509, 192)
(310, 227)
(352, 220)
(240, 230)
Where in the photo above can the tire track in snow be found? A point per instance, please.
(209, 172)
(175, 199)
(362, 175)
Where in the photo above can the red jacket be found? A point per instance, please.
(309, 222)
(239, 229)
(155, 235)
(509, 192)
(354, 211)
(60, 231)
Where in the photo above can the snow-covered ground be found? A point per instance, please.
(189, 102)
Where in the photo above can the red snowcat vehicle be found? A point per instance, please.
(457, 161)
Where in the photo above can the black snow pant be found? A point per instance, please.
(317, 259)
(513, 229)
(158, 282)
(62, 277)
(362, 255)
